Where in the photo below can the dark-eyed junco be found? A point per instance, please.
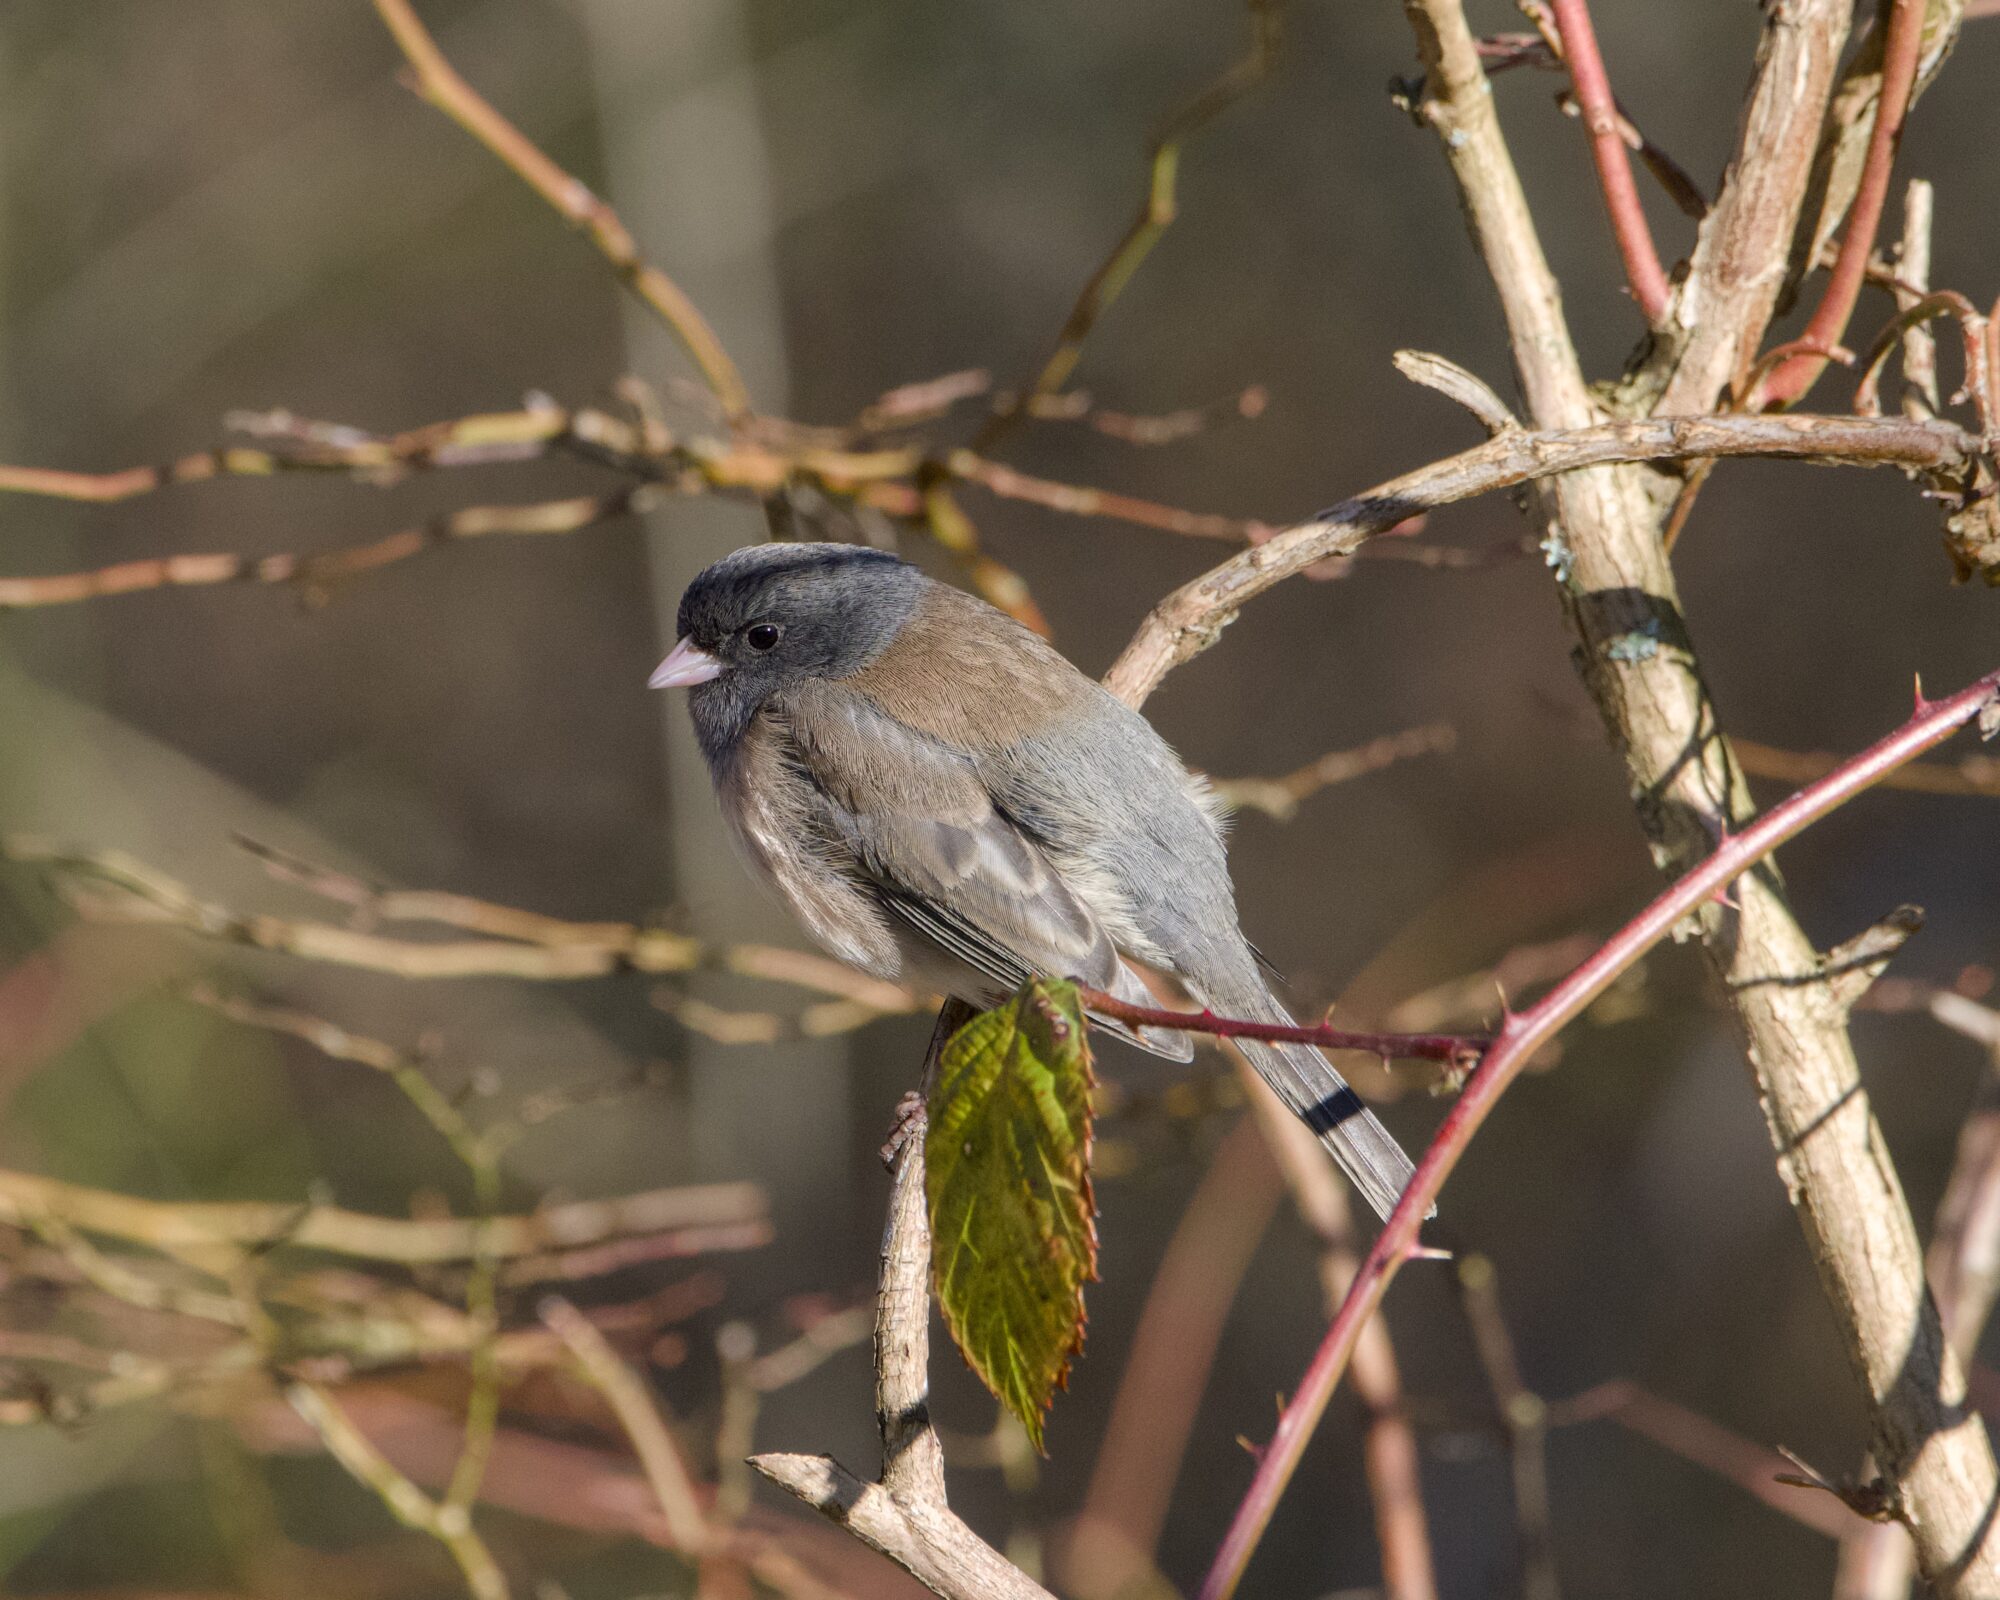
(942, 800)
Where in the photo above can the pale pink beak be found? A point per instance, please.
(685, 666)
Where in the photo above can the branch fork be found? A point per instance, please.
(905, 1514)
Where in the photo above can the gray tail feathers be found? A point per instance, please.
(1366, 1151)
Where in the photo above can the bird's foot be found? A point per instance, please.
(908, 1125)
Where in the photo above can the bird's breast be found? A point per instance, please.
(772, 812)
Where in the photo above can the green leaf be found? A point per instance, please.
(1007, 1166)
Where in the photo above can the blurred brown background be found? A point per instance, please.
(225, 204)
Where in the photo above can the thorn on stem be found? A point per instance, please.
(1875, 1499)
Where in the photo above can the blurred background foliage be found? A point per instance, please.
(227, 204)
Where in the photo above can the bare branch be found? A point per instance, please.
(1389, 1443)
(314, 447)
(1077, 501)
(823, 1337)
(923, 401)
(1913, 270)
(1452, 381)
(1969, 775)
(439, 83)
(720, 1216)
(1456, 1050)
(1151, 431)
(638, 1414)
(1752, 1467)
(1614, 167)
(1156, 215)
(408, 1504)
(1523, 1417)
(1280, 798)
(523, 944)
(905, 1514)
(317, 574)
(1718, 316)
(1190, 619)
(1877, 1561)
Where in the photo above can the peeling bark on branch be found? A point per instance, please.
(1737, 271)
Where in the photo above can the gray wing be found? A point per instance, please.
(943, 859)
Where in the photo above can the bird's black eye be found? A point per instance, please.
(762, 636)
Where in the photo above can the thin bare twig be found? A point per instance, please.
(1752, 1467)
(148, 1290)
(637, 1410)
(1523, 1417)
(1165, 428)
(316, 575)
(1970, 775)
(1643, 271)
(1668, 173)
(1156, 215)
(924, 401)
(1501, 52)
(1113, 1543)
(722, 1216)
(574, 1486)
(403, 1068)
(449, 1524)
(1074, 500)
(478, 1151)
(519, 944)
(1280, 798)
(1452, 1049)
(640, 447)
(314, 448)
(439, 83)
(1389, 1443)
